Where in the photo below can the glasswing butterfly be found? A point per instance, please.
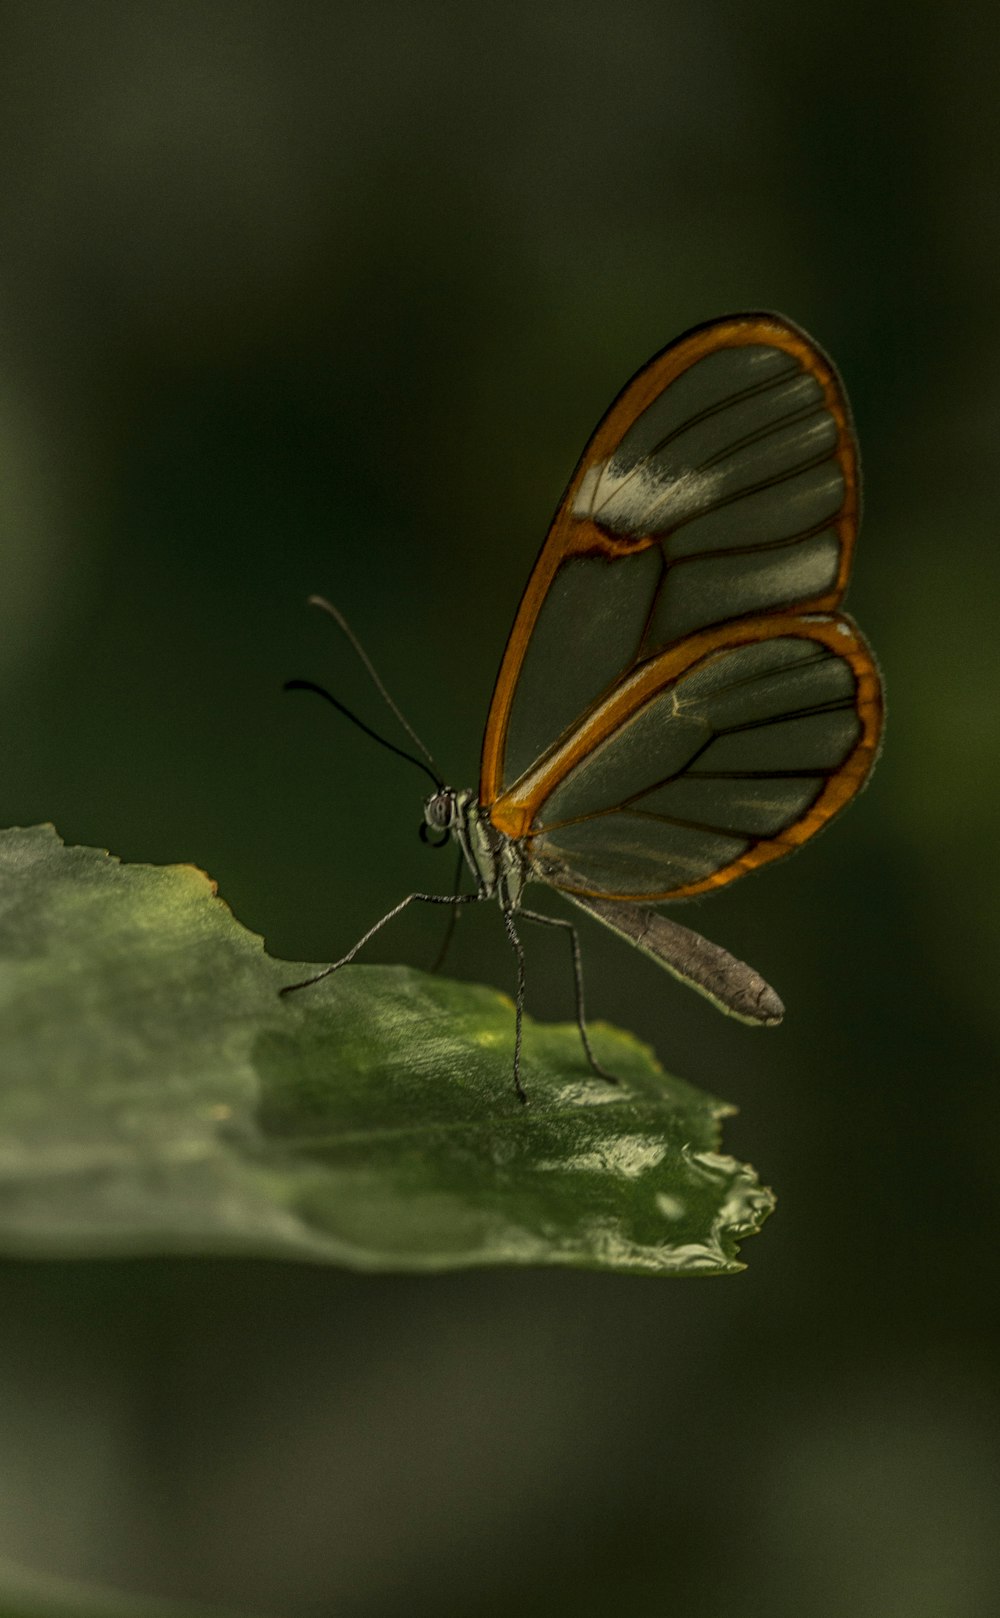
(679, 701)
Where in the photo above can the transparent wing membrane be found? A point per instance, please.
(678, 701)
(737, 422)
(721, 484)
(705, 769)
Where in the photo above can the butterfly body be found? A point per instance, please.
(500, 864)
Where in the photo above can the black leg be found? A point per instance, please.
(439, 959)
(424, 898)
(508, 921)
(581, 1020)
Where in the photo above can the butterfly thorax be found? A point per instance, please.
(497, 862)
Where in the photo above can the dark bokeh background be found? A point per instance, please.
(328, 297)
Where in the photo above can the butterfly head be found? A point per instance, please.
(440, 815)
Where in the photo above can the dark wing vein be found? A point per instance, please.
(755, 390)
(844, 705)
(743, 493)
(835, 705)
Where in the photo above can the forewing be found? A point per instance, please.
(711, 759)
(722, 483)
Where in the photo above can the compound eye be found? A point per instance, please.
(439, 810)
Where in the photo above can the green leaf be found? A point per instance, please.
(157, 1095)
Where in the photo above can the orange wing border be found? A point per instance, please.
(570, 535)
(514, 813)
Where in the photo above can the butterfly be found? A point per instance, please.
(680, 701)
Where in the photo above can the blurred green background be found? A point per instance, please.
(305, 297)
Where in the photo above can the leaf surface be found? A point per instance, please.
(156, 1095)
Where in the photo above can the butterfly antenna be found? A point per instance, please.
(345, 628)
(321, 691)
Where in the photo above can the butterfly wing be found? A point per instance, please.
(713, 758)
(677, 702)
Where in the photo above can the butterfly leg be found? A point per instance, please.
(516, 945)
(439, 959)
(581, 1019)
(424, 898)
